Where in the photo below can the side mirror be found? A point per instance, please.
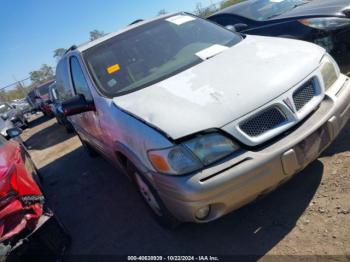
(13, 132)
(237, 27)
(77, 105)
(231, 28)
(240, 27)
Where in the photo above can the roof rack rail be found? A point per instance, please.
(73, 47)
(137, 21)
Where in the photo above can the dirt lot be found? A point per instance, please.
(105, 215)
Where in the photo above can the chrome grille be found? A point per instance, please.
(263, 121)
(304, 95)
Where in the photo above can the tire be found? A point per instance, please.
(69, 128)
(24, 124)
(88, 149)
(151, 198)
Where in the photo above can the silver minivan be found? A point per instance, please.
(203, 119)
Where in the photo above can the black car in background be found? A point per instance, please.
(323, 22)
(56, 108)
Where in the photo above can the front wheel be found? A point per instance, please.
(151, 198)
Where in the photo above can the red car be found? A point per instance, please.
(21, 200)
(23, 211)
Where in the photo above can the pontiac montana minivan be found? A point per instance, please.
(204, 120)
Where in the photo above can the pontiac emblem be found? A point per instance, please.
(289, 104)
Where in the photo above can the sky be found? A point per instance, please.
(30, 30)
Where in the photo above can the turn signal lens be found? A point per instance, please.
(159, 162)
(174, 161)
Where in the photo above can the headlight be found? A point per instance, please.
(330, 71)
(192, 155)
(210, 148)
(326, 23)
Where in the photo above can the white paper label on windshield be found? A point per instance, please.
(180, 19)
(211, 51)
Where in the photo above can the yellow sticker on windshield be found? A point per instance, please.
(112, 69)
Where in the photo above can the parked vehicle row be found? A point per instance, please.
(22, 105)
(13, 114)
(38, 98)
(203, 119)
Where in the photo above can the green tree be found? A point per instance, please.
(162, 12)
(41, 75)
(95, 34)
(227, 3)
(58, 53)
(204, 12)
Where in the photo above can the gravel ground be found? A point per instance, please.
(105, 215)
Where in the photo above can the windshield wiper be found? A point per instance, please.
(293, 7)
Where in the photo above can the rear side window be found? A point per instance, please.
(79, 82)
(44, 89)
(63, 89)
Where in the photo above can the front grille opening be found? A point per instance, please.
(263, 122)
(304, 95)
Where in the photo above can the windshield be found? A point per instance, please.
(44, 90)
(153, 52)
(265, 9)
(4, 108)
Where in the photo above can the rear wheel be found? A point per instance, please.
(152, 199)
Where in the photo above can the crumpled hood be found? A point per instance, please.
(319, 8)
(225, 87)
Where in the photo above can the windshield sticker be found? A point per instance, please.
(112, 82)
(180, 19)
(112, 69)
(211, 51)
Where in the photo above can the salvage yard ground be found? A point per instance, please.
(105, 215)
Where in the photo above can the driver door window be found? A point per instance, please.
(78, 79)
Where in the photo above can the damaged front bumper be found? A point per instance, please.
(241, 179)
